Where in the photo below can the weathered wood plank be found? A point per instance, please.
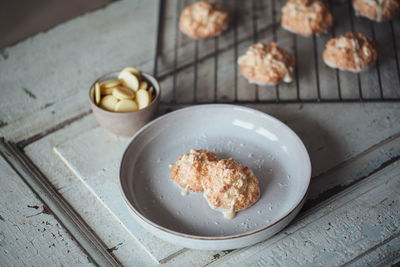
(30, 234)
(56, 204)
(107, 227)
(128, 251)
(100, 176)
(329, 133)
(31, 76)
(311, 122)
(384, 254)
(356, 168)
(337, 231)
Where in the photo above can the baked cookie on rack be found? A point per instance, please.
(351, 52)
(191, 168)
(230, 187)
(306, 17)
(203, 20)
(267, 64)
(377, 10)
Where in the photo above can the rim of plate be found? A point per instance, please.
(213, 238)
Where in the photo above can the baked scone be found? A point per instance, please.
(306, 17)
(377, 10)
(230, 186)
(267, 64)
(352, 52)
(191, 168)
(203, 20)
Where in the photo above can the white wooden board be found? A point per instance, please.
(94, 157)
(119, 242)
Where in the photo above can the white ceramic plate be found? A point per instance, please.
(271, 149)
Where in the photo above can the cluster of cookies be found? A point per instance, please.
(227, 185)
(270, 64)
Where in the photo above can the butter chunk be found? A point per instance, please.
(126, 105)
(129, 80)
(110, 83)
(143, 98)
(108, 102)
(134, 71)
(97, 93)
(107, 91)
(123, 93)
(143, 85)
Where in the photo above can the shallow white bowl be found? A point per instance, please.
(271, 149)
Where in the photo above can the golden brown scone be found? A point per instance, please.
(190, 169)
(267, 64)
(230, 186)
(203, 20)
(306, 17)
(352, 52)
(377, 10)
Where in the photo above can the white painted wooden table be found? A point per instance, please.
(59, 200)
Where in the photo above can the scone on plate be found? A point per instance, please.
(230, 187)
(191, 168)
(306, 17)
(267, 64)
(203, 20)
(351, 52)
(377, 10)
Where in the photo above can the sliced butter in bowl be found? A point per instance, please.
(134, 71)
(123, 93)
(143, 98)
(97, 93)
(129, 80)
(108, 102)
(126, 105)
(110, 83)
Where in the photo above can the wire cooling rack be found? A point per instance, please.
(206, 71)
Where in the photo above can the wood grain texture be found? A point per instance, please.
(99, 178)
(343, 229)
(340, 138)
(56, 205)
(29, 232)
(47, 76)
(117, 236)
(119, 243)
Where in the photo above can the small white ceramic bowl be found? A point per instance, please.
(264, 144)
(128, 123)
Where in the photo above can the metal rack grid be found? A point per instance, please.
(380, 83)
